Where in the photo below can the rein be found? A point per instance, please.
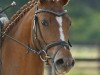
(43, 53)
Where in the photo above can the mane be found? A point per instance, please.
(16, 17)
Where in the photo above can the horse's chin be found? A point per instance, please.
(60, 70)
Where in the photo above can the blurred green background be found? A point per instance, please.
(85, 16)
(84, 33)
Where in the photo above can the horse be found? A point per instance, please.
(37, 34)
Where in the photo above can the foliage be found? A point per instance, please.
(85, 21)
(85, 16)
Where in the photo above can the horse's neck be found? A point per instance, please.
(20, 62)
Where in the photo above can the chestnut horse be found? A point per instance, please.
(37, 33)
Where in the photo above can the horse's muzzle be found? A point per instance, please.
(64, 64)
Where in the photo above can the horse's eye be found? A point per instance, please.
(44, 22)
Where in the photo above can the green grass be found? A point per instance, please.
(85, 68)
(84, 52)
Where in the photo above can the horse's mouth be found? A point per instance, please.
(61, 70)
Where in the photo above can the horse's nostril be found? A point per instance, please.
(73, 62)
(60, 62)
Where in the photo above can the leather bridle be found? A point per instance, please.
(37, 30)
(43, 52)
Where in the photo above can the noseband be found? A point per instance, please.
(44, 50)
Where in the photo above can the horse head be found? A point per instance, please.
(51, 34)
(47, 35)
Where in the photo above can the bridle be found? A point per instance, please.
(43, 52)
(47, 46)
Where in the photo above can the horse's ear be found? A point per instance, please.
(63, 2)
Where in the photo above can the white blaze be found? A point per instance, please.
(59, 19)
